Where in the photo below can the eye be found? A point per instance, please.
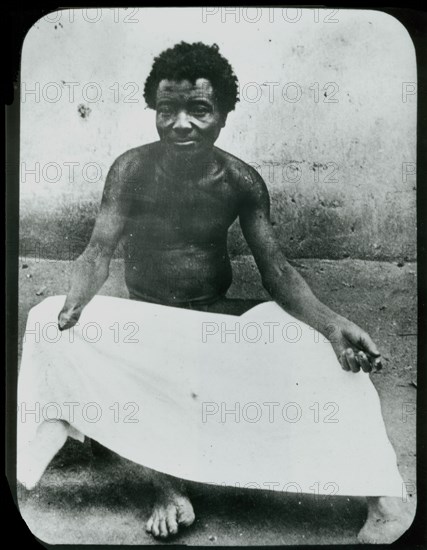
(199, 110)
(165, 110)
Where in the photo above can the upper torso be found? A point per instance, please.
(176, 232)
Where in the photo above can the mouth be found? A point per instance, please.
(184, 143)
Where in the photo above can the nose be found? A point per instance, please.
(182, 122)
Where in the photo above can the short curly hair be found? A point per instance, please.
(192, 61)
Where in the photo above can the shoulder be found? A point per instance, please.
(126, 172)
(242, 175)
(133, 160)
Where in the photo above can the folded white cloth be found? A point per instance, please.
(254, 401)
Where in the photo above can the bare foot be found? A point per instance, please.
(171, 509)
(388, 518)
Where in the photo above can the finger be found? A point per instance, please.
(364, 362)
(343, 361)
(352, 361)
(377, 363)
(368, 345)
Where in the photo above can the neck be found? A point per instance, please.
(187, 164)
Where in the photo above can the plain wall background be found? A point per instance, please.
(340, 174)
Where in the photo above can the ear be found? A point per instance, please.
(223, 119)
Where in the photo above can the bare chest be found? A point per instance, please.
(183, 210)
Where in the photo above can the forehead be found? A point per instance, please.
(185, 90)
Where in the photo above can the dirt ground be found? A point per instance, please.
(82, 501)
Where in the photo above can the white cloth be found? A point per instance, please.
(266, 406)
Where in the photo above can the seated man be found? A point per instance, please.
(174, 201)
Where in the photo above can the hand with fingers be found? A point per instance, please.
(354, 347)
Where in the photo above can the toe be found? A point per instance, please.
(149, 524)
(155, 531)
(163, 528)
(186, 514)
(171, 521)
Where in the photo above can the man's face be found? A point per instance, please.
(188, 119)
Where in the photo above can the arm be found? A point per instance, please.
(353, 346)
(91, 269)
